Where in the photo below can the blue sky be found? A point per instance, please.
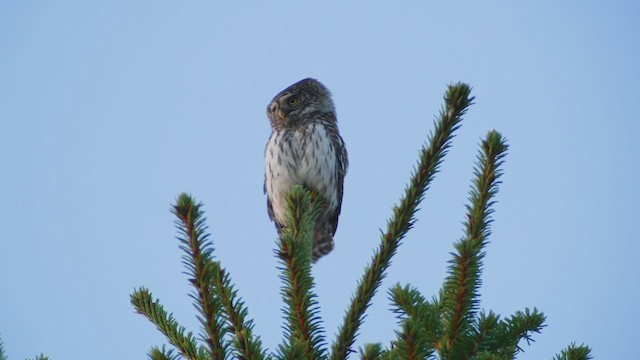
(109, 110)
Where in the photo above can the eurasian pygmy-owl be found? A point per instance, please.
(305, 148)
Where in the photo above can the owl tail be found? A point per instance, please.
(322, 245)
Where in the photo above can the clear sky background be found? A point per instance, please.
(108, 110)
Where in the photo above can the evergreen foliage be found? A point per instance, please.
(294, 252)
(448, 326)
(3, 356)
(457, 100)
(574, 351)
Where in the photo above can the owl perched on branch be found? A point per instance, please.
(305, 148)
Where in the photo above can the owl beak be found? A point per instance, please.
(282, 115)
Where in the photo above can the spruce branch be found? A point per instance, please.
(459, 296)
(411, 343)
(294, 251)
(246, 345)
(457, 100)
(371, 352)
(41, 357)
(492, 356)
(162, 353)
(518, 327)
(142, 300)
(574, 352)
(295, 349)
(408, 303)
(197, 259)
(419, 323)
(486, 328)
(3, 355)
(405, 300)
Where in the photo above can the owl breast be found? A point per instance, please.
(303, 156)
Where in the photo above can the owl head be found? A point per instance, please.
(293, 105)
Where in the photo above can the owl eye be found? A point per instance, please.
(293, 101)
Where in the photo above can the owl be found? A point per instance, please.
(305, 148)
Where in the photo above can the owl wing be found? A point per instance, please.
(342, 164)
(269, 206)
(264, 187)
(270, 209)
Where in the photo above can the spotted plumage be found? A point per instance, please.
(305, 148)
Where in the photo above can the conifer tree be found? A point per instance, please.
(449, 326)
(3, 356)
